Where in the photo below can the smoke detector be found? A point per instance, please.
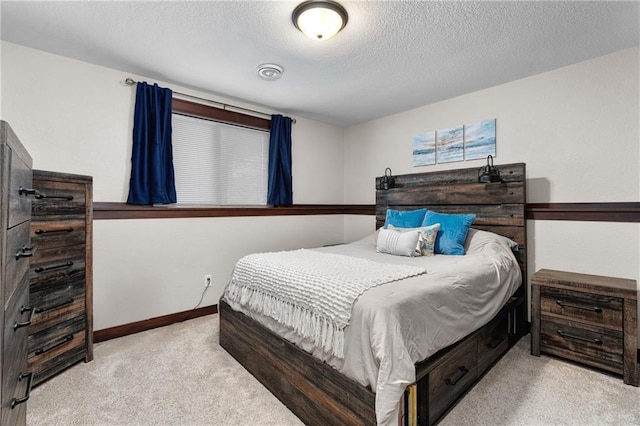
(270, 72)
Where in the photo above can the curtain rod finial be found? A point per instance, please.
(129, 81)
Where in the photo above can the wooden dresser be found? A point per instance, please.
(61, 333)
(15, 213)
(586, 318)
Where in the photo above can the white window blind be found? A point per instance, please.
(218, 163)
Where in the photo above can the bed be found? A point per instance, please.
(314, 384)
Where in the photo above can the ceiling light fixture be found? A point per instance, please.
(270, 71)
(319, 19)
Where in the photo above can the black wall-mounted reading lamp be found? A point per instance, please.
(387, 181)
(488, 173)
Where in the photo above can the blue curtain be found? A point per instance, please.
(152, 179)
(280, 192)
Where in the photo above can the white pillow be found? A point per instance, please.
(406, 243)
(477, 240)
(427, 239)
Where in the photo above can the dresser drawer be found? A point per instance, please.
(17, 258)
(70, 353)
(493, 341)
(19, 201)
(595, 346)
(55, 345)
(450, 379)
(14, 365)
(67, 270)
(46, 257)
(56, 304)
(580, 306)
(57, 234)
(58, 200)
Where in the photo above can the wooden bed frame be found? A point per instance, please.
(320, 395)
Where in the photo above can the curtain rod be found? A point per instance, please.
(130, 82)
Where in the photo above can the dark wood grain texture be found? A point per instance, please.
(61, 278)
(493, 341)
(314, 391)
(293, 375)
(590, 319)
(151, 323)
(194, 109)
(589, 212)
(15, 216)
(108, 210)
(449, 380)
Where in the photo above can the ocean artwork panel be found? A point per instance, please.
(449, 145)
(424, 149)
(480, 139)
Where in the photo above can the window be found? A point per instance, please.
(218, 163)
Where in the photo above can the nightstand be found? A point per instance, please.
(589, 319)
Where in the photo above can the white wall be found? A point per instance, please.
(76, 117)
(568, 125)
(573, 127)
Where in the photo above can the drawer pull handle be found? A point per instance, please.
(27, 191)
(45, 231)
(584, 339)
(495, 342)
(40, 269)
(462, 372)
(25, 252)
(16, 401)
(40, 196)
(595, 309)
(51, 308)
(17, 325)
(65, 339)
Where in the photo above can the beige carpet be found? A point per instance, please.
(178, 375)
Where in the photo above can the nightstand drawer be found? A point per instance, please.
(584, 307)
(595, 346)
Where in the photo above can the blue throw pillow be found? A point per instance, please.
(404, 219)
(452, 233)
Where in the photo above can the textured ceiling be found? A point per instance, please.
(392, 56)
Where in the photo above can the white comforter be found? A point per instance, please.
(395, 325)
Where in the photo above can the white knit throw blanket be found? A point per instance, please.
(309, 291)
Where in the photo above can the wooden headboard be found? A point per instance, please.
(499, 207)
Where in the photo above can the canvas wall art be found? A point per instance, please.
(480, 139)
(449, 145)
(424, 149)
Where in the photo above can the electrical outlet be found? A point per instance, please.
(208, 280)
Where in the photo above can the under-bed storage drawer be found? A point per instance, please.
(451, 378)
(493, 341)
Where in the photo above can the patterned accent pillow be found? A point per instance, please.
(427, 238)
(393, 241)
